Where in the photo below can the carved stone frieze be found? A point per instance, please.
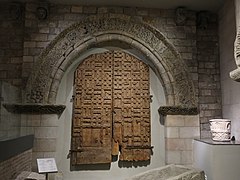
(84, 35)
(35, 108)
(177, 110)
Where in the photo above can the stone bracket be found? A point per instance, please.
(35, 108)
(176, 110)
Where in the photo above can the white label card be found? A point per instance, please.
(46, 165)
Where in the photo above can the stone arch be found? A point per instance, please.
(44, 81)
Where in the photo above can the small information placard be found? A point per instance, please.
(47, 165)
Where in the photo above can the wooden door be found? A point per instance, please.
(131, 106)
(111, 106)
(92, 114)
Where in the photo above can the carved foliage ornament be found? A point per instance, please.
(83, 35)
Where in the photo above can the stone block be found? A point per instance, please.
(45, 132)
(172, 132)
(174, 121)
(39, 37)
(191, 121)
(116, 10)
(177, 144)
(50, 120)
(64, 9)
(173, 157)
(44, 30)
(187, 157)
(102, 10)
(29, 44)
(89, 10)
(129, 11)
(33, 122)
(189, 132)
(44, 145)
(41, 44)
(76, 9)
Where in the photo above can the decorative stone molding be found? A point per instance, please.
(44, 81)
(35, 108)
(235, 74)
(177, 110)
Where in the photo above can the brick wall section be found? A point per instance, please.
(209, 75)
(11, 46)
(12, 167)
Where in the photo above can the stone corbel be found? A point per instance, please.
(176, 110)
(15, 11)
(180, 16)
(235, 74)
(35, 108)
(42, 11)
(203, 19)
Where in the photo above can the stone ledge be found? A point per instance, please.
(35, 108)
(177, 110)
(235, 74)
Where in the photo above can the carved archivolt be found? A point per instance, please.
(43, 83)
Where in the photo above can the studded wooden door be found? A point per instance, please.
(131, 106)
(111, 108)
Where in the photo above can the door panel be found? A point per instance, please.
(111, 108)
(131, 100)
(92, 114)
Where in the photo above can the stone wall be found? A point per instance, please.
(11, 43)
(10, 123)
(11, 168)
(197, 47)
(44, 128)
(208, 71)
(180, 131)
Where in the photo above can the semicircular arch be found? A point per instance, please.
(92, 32)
